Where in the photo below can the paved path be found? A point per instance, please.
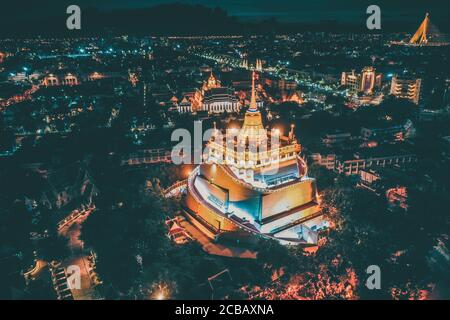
(72, 232)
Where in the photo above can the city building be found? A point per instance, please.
(358, 162)
(368, 80)
(336, 139)
(351, 80)
(388, 133)
(366, 100)
(18, 77)
(288, 85)
(70, 78)
(214, 98)
(364, 82)
(293, 96)
(406, 88)
(185, 106)
(250, 185)
(219, 100)
(352, 164)
(146, 156)
(326, 160)
(60, 79)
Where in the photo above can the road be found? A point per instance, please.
(72, 231)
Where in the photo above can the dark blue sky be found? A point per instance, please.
(404, 14)
(302, 10)
(285, 10)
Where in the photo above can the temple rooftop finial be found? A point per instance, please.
(253, 106)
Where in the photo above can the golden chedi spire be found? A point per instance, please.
(253, 106)
(253, 127)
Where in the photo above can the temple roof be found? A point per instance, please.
(212, 82)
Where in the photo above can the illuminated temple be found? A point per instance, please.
(214, 98)
(254, 182)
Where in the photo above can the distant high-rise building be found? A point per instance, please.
(351, 79)
(368, 80)
(378, 80)
(406, 88)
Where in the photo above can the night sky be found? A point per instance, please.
(287, 10)
(302, 11)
